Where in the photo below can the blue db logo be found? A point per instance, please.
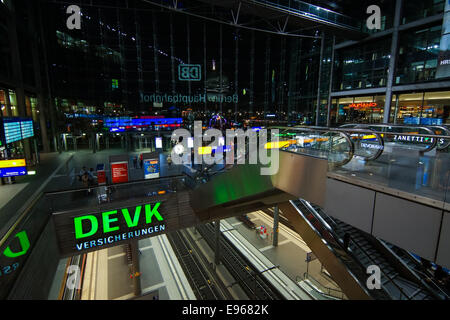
(189, 72)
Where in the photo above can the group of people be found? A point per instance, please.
(87, 177)
(141, 161)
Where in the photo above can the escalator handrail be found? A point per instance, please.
(306, 275)
(432, 134)
(315, 129)
(337, 250)
(427, 282)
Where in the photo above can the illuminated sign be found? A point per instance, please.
(362, 105)
(189, 72)
(13, 172)
(158, 141)
(13, 168)
(371, 146)
(416, 139)
(12, 163)
(105, 228)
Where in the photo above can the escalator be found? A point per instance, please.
(397, 279)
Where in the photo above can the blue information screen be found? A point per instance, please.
(27, 129)
(16, 129)
(13, 172)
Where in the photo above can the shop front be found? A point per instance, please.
(426, 108)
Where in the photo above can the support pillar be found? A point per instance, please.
(392, 61)
(43, 124)
(276, 220)
(319, 80)
(135, 269)
(330, 87)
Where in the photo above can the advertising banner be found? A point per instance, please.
(119, 172)
(151, 168)
(101, 174)
(79, 232)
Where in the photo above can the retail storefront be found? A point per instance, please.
(365, 109)
(427, 108)
(422, 108)
(8, 103)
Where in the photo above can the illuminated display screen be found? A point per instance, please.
(158, 143)
(120, 124)
(12, 131)
(27, 129)
(16, 129)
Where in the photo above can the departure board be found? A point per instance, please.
(27, 129)
(12, 131)
(16, 129)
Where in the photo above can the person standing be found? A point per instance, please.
(85, 180)
(82, 172)
(141, 160)
(135, 162)
(91, 177)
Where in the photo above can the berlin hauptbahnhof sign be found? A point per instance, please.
(84, 232)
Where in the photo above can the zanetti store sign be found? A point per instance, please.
(94, 231)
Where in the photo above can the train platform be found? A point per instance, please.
(107, 274)
(269, 269)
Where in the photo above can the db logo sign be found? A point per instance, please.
(189, 72)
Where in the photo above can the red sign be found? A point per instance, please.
(363, 105)
(101, 177)
(119, 172)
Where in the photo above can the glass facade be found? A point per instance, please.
(126, 57)
(417, 9)
(362, 66)
(417, 55)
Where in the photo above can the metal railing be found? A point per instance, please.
(321, 289)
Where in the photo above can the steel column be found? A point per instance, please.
(392, 61)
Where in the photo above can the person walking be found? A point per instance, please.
(141, 160)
